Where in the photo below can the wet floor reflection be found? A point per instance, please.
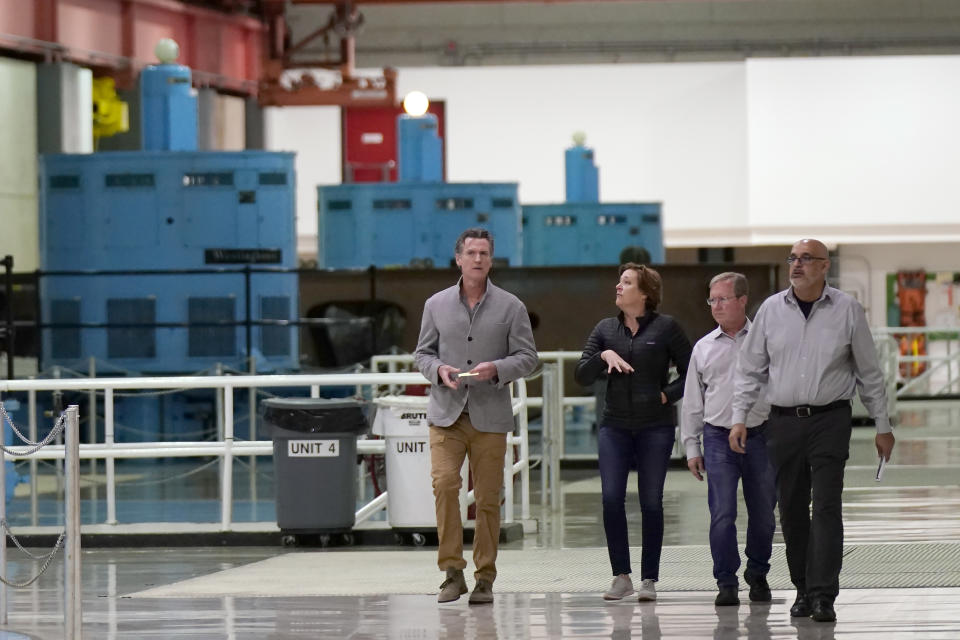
(917, 613)
(918, 500)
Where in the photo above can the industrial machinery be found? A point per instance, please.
(414, 221)
(912, 300)
(168, 260)
(213, 222)
(583, 231)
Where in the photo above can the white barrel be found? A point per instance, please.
(402, 421)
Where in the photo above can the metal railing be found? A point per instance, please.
(553, 404)
(69, 424)
(553, 429)
(554, 434)
(942, 373)
(227, 448)
(399, 362)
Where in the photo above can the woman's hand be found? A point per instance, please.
(615, 362)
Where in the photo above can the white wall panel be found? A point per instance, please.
(314, 134)
(758, 152)
(18, 163)
(674, 133)
(652, 127)
(855, 142)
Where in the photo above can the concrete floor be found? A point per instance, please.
(901, 577)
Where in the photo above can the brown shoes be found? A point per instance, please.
(454, 587)
(482, 592)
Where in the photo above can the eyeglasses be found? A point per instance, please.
(722, 300)
(802, 259)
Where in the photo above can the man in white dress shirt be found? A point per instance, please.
(708, 415)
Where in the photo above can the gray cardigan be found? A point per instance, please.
(499, 332)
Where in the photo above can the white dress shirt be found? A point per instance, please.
(708, 394)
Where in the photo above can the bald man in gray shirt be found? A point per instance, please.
(811, 347)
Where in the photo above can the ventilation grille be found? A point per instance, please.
(212, 341)
(131, 342)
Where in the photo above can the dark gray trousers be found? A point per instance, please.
(808, 456)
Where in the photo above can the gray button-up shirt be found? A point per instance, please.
(498, 331)
(810, 361)
(708, 394)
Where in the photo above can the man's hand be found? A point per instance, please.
(885, 443)
(448, 376)
(615, 362)
(696, 467)
(738, 437)
(485, 371)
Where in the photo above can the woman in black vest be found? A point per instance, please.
(637, 429)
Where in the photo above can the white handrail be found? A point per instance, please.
(213, 382)
(944, 368)
(553, 436)
(228, 447)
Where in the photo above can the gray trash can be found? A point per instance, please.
(314, 461)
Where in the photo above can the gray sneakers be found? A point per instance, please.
(621, 587)
(453, 587)
(647, 591)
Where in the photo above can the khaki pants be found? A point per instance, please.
(448, 446)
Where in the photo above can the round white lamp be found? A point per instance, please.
(167, 50)
(415, 103)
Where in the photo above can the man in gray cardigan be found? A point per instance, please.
(475, 340)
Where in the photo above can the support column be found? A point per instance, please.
(207, 120)
(254, 127)
(65, 107)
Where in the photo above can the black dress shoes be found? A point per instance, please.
(801, 606)
(759, 589)
(823, 612)
(727, 597)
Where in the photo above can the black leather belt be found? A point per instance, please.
(806, 411)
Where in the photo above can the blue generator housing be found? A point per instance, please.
(169, 108)
(589, 233)
(582, 175)
(168, 210)
(388, 224)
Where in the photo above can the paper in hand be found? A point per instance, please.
(467, 374)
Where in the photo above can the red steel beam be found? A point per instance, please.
(45, 19)
(480, 1)
(118, 37)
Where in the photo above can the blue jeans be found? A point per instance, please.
(725, 468)
(648, 450)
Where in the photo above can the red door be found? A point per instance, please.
(369, 151)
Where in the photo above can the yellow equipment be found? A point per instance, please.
(111, 115)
